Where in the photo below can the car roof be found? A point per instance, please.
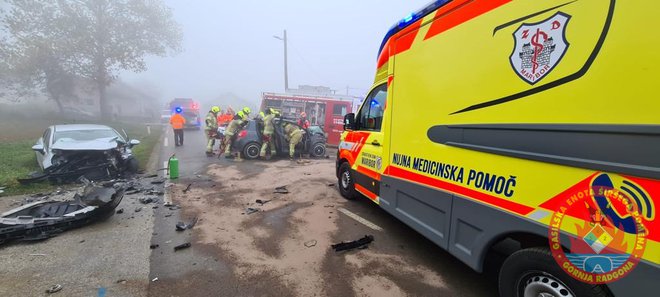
(78, 127)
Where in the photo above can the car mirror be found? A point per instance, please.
(349, 121)
(133, 142)
(38, 148)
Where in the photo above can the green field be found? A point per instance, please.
(18, 134)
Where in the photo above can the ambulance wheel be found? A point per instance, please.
(346, 182)
(251, 151)
(534, 272)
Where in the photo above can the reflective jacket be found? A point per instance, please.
(177, 121)
(268, 124)
(211, 122)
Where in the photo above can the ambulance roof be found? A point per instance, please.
(411, 18)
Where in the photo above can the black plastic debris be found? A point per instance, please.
(120, 211)
(187, 188)
(331, 185)
(182, 246)
(262, 202)
(139, 209)
(54, 289)
(146, 200)
(281, 190)
(158, 182)
(360, 243)
(44, 219)
(151, 176)
(181, 226)
(251, 210)
(154, 246)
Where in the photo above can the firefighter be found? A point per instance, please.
(294, 135)
(211, 128)
(268, 134)
(177, 121)
(240, 120)
(302, 121)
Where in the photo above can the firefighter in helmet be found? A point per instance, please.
(240, 120)
(267, 136)
(294, 135)
(211, 128)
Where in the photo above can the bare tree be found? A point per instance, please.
(92, 39)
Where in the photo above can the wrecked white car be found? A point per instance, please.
(68, 152)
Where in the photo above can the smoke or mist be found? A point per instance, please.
(230, 52)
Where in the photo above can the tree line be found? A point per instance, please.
(50, 45)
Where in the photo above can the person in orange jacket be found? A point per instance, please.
(177, 121)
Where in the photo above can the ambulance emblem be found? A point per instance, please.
(539, 47)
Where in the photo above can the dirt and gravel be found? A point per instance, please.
(269, 245)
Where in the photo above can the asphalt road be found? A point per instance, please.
(282, 249)
(263, 254)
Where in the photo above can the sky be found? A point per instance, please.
(229, 46)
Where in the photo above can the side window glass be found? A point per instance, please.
(373, 107)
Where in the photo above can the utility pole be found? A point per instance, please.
(286, 71)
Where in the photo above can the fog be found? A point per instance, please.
(229, 47)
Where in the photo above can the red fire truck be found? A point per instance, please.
(324, 111)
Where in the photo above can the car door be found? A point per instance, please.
(368, 165)
(45, 154)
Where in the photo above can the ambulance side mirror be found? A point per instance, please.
(349, 121)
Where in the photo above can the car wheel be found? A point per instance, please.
(346, 182)
(251, 150)
(534, 272)
(318, 150)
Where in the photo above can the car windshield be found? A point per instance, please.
(315, 129)
(85, 135)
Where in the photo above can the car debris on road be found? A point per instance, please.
(310, 243)
(181, 226)
(182, 246)
(360, 243)
(54, 289)
(281, 190)
(251, 210)
(44, 219)
(262, 202)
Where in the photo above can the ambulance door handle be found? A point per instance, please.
(375, 142)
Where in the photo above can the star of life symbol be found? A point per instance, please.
(539, 47)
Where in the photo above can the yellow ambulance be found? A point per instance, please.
(532, 124)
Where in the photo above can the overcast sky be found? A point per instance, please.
(229, 46)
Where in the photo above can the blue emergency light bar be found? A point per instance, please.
(178, 109)
(411, 18)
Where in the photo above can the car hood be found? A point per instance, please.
(101, 144)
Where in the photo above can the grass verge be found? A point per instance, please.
(17, 159)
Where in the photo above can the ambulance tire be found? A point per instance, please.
(535, 270)
(346, 182)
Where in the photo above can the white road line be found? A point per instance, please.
(166, 141)
(360, 219)
(165, 166)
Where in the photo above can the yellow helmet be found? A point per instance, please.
(246, 110)
(215, 109)
(240, 114)
(261, 114)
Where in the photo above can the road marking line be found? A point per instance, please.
(360, 219)
(166, 141)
